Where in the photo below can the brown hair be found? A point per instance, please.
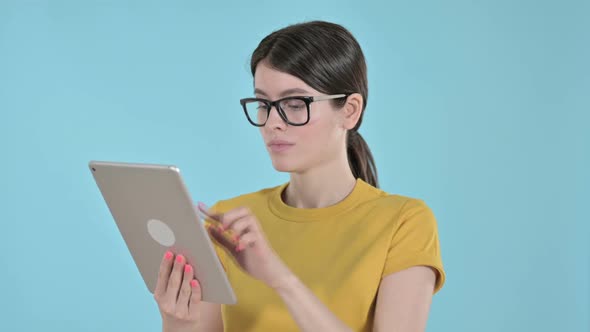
(328, 58)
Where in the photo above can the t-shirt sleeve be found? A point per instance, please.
(415, 241)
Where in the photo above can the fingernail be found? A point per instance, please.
(236, 238)
(194, 283)
(187, 268)
(202, 205)
(240, 247)
(168, 255)
(179, 258)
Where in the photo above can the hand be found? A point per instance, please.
(249, 248)
(178, 295)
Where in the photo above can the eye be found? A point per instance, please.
(262, 106)
(293, 105)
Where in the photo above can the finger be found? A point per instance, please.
(208, 214)
(193, 310)
(185, 291)
(175, 279)
(241, 226)
(211, 224)
(163, 275)
(220, 238)
(228, 218)
(247, 240)
(225, 221)
(214, 221)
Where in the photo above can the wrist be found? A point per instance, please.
(166, 327)
(285, 284)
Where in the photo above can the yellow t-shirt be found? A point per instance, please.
(340, 252)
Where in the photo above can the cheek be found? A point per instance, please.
(323, 123)
(313, 129)
(317, 133)
(320, 118)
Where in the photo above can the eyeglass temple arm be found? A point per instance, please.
(318, 98)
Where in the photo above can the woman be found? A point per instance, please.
(327, 251)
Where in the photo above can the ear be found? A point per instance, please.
(352, 110)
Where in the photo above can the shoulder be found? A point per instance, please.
(395, 211)
(409, 208)
(408, 217)
(396, 205)
(409, 205)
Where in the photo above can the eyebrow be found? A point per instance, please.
(284, 93)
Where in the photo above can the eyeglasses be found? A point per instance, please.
(293, 110)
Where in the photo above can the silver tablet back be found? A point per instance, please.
(155, 213)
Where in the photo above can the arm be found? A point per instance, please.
(208, 320)
(309, 312)
(210, 317)
(252, 252)
(404, 299)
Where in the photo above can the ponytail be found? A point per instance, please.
(360, 158)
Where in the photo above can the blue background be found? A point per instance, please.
(479, 108)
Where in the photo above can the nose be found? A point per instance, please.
(274, 119)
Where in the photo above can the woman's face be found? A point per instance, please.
(319, 141)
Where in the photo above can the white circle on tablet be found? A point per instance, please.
(161, 232)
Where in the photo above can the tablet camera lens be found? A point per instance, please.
(93, 169)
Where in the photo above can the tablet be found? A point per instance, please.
(154, 213)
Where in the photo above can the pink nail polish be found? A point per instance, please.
(194, 283)
(179, 258)
(187, 268)
(240, 247)
(168, 255)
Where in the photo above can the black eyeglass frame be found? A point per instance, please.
(306, 99)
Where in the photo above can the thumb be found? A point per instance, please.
(218, 235)
(212, 224)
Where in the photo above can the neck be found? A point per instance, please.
(320, 187)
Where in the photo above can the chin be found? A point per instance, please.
(283, 165)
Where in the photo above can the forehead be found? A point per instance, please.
(270, 82)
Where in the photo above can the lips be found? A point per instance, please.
(279, 145)
(279, 142)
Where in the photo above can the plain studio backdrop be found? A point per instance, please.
(479, 108)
